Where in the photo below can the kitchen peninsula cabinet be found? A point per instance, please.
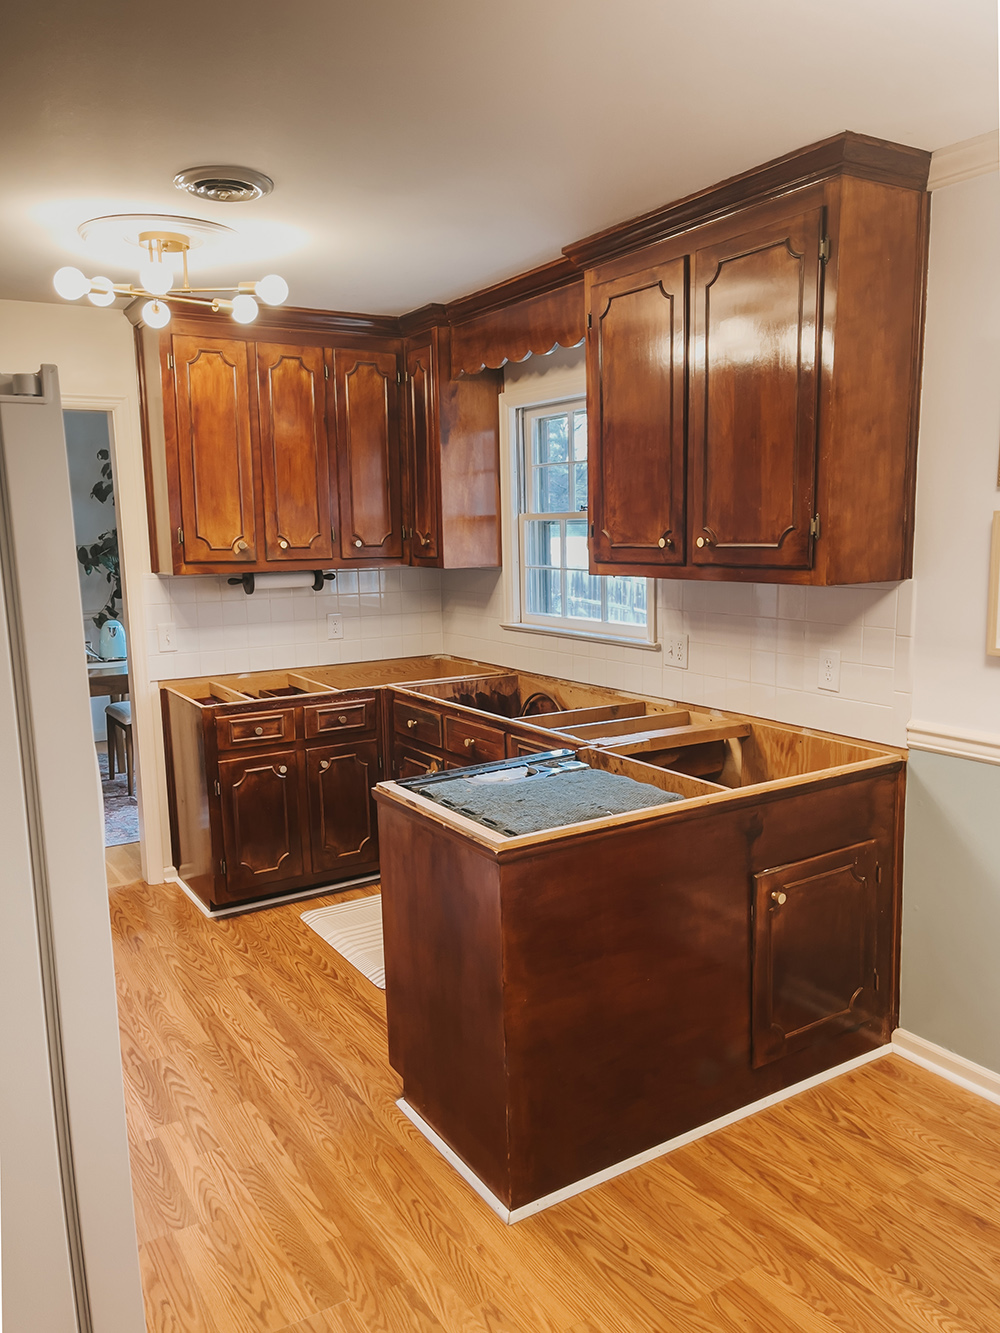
(452, 459)
(800, 365)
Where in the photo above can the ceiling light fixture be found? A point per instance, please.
(156, 278)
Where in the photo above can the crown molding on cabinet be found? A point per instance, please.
(962, 161)
(958, 742)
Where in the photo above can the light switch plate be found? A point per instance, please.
(166, 637)
(334, 626)
(829, 669)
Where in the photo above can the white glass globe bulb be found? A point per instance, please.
(102, 291)
(156, 314)
(272, 290)
(244, 309)
(155, 277)
(70, 283)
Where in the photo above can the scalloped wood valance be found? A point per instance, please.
(534, 325)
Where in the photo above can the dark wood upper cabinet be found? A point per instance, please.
(752, 453)
(214, 512)
(368, 468)
(452, 514)
(814, 950)
(294, 454)
(343, 828)
(635, 408)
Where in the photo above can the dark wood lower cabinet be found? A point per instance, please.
(343, 828)
(261, 830)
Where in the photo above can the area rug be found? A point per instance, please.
(354, 929)
(121, 811)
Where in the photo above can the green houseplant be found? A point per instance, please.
(103, 553)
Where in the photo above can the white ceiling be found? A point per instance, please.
(421, 150)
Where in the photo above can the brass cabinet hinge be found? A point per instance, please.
(170, 360)
(824, 250)
(218, 789)
(326, 371)
(180, 536)
(590, 321)
(223, 865)
(875, 978)
(814, 526)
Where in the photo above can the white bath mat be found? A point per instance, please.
(354, 929)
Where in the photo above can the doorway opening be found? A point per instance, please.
(89, 452)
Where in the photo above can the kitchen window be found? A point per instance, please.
(555, 589)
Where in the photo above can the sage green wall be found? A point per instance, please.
(951, 905)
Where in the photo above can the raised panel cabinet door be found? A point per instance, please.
(343, 829)
(260, 820)
(368, 460)
(423, 456)
(813, 950)
(214, 459)
(635, 391)
(294, 453)
(754, 387)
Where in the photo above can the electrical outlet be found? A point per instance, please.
(829, 669)
(166, 637)
(334, 626)
(675, 650)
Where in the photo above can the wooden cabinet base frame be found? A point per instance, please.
(512, 1215)
(258, 904)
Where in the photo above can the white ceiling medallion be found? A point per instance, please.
(224, 185)
(160, 235)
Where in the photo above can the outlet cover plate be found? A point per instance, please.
(829, 669)
(675, 650)
(334, 626)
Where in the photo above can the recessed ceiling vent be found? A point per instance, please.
(224, 185)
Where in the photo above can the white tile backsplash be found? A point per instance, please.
(752, 648)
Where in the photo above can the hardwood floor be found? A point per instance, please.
(278, 1188)
(122, 864)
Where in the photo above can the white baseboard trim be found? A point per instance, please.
(510, 1216)
(955, 1068)
(959, 742)
(241, 909)
(962, 161)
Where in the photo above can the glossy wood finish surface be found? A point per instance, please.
(215, 478)
(636, 386)
(423, 449)
(343, 830)
(367, 408)
(262, 840)
(295, 461)
(534, 325)
(754, 382)
(278, 1189)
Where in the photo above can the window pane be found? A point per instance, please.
(544, 594)
(552, 489)
(577, 556)
(579, 435)
(552, 439)
(626, 600)
(543, 543)
(583, 595)
(580, 481)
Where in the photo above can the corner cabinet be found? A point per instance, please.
(752, 391)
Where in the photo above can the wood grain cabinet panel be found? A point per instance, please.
(343, 828)
(757, 324)
(367, 410)
(423, 471)
(813, 950)
(214, 459)
(636, 393)
(294, 454)
(260, 821)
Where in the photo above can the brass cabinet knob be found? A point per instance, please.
(662, 541)
(779, 897)
(426, 541)
(283, 544)
(358, 541)
(282, 768)
(258, 731)
(700, 541)
(411, 722)
(342, 719)
(324, 765)
(469, 743)
(241, 545)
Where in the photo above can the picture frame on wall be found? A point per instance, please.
(993, 619)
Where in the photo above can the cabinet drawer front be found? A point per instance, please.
(255, 729)
(420, 724)
(476, 743)
(324, 719)
(412, 762)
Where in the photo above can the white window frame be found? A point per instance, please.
(550, 387)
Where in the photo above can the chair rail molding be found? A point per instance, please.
(959, 742)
